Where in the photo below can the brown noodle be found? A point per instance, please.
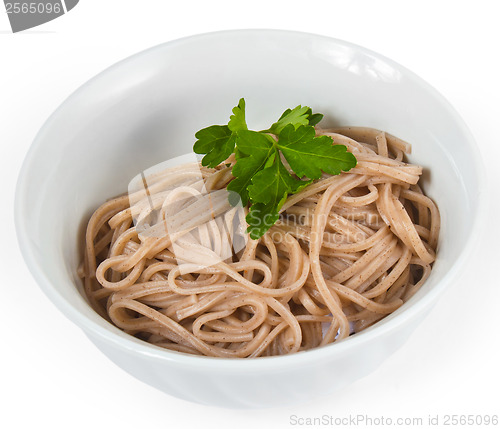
(347, 251)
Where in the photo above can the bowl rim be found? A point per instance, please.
(133, 345)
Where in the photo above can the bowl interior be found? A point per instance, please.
(147, 108)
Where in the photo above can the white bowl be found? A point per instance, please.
(147, 108)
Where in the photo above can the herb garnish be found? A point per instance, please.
(261, 178)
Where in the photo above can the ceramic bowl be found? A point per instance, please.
(146, 109)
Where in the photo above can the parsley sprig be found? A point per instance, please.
(261, 178)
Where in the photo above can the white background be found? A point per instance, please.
(52, 376)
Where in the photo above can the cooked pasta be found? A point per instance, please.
(347, 251)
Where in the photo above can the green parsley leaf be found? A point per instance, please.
(252, 154)
(255, 144)
(217, 142)
(309, 155)
(237, 120)
(314, 118)
(297, 117)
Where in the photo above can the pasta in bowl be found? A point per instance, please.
(347, 250)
